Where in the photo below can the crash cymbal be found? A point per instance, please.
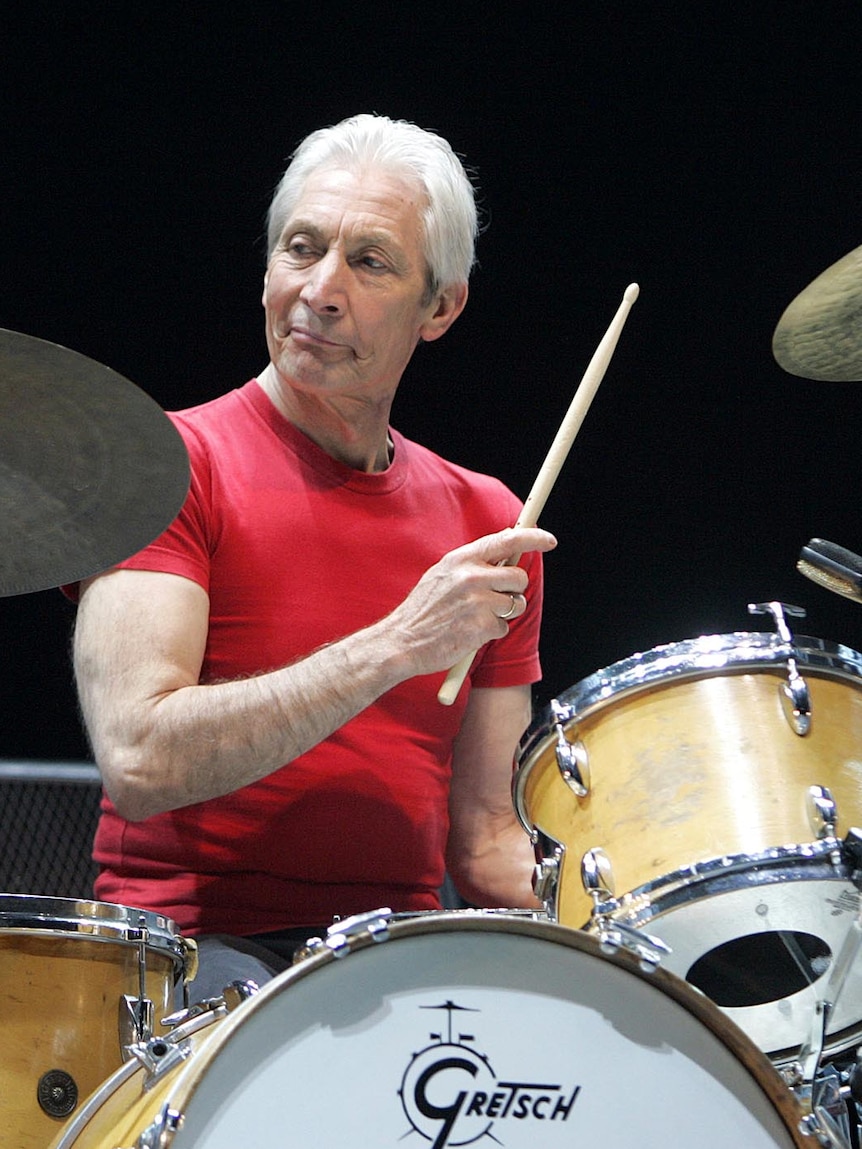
(91, 468)
(819, 336)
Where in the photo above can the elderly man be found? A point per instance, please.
(260, 683)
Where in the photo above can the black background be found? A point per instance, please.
(708, 151)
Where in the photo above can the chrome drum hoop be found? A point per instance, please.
(97, 921)
(735, 653)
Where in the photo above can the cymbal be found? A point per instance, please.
(91, 468)
(819, 336)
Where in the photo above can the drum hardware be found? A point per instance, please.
(546, 872)
(795, 697)
(159, 1056)
(341, 934)
(827, 1118)
(823, 1088)
(203, 1017)
(161, 1133)
(232, 996)
(822, 813)
(137, 1014)
(615, 934)
(832, 1113)
(572, 757)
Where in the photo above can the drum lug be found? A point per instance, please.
(572, 758)
(822, 812)
(161, 1133)
(794, 694)
(135, 1022)
(796, 700)
(597, 876)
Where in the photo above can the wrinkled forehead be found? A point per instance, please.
(391, 193)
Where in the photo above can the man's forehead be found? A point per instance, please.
(374, 205)
(380, 196)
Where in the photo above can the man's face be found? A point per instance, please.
(345, 289)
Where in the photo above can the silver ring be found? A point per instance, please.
(512, 608)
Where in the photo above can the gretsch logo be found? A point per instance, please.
(451, 1095)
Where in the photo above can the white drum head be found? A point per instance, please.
(462, 1030)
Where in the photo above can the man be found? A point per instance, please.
(260, 684)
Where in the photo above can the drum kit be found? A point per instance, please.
(694, 976)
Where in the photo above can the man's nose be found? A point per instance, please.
(326, 284)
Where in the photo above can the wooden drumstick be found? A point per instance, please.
(555, 458)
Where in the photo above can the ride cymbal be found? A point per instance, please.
(819, 336)
(91, 468)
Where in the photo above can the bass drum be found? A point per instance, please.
(458, 1028)
(711, 815)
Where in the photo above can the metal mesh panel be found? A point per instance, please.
(48, 814)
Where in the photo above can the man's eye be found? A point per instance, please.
(373, 262)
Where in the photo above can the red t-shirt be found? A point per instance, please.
(296, 550)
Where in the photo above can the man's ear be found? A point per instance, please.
(449, 305)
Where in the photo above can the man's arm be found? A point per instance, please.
(489, 856)
(164, 740)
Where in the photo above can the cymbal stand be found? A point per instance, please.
(828, 1092)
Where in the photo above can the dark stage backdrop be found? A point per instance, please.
(708, 151)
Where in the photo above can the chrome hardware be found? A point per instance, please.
(812, 1049)
(795, 696)
(572, 757)
(796, 700)
(161, 1133)
(232, 996)
(340, 936)
(546, 875)
(598, 877)
(613, 934)
(546, 872)
(237, 992)
(827, 1118)
(158, 1056)
(822, 812)
(135, 1022)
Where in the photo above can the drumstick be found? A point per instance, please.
(555, 457)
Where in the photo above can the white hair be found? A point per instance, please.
(450, 218)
